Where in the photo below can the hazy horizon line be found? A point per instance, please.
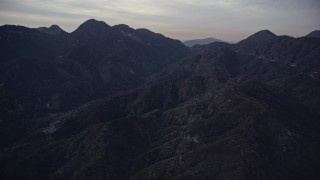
(181, 39)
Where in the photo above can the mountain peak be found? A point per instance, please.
(123, 28)
(94, 22)
(262, 35)
(258, 37)
(52, 30)
(92, 27)
(265, 31)
(54, 26)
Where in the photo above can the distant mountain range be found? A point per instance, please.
(113, 102)
(204, 41)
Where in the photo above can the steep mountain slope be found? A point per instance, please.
(244, 111)
(314, 34)
(256, 39)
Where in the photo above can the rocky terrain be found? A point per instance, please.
(118, 103)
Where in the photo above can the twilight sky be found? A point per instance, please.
(230, 20)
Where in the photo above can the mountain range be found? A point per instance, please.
(204, 41)
(112, 102)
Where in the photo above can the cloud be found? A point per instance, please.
(183, 19)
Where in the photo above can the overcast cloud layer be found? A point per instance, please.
(230, 20)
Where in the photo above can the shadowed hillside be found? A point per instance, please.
(117, 103)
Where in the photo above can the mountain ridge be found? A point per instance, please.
(314, 34)
(138, 105)
(92, 62)
(202, 41)
(53, 30)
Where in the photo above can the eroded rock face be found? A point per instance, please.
(243, 111)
